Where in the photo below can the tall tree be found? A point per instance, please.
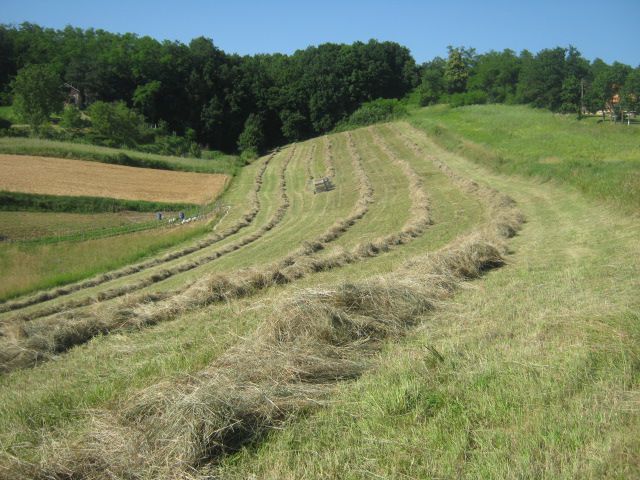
(37, 94)
(456, 72)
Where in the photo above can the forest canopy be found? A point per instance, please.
(229, 102)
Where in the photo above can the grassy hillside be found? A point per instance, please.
(600, 160)
(354, 344)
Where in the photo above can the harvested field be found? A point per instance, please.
(338, 335)
(58, 176)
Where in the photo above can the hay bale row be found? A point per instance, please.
(27, 343)
(290, 364)
(246, 220)
(27, 346)
(328, 157)
(309, 161)
(506, 218)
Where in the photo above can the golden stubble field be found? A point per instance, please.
(58, 176)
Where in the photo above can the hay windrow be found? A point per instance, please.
(246, 220)
(21, 351)
(290, 364)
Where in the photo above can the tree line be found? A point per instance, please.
(226, 101)
(223, 99)
(559, 79)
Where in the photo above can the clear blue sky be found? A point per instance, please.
(604, 29)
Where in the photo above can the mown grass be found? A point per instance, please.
(35, 202)
(600, 160)
(33, 225)
(228, 164)
(29, 267)
(110, 368)
(534, 373)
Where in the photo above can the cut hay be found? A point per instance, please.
(245, 221)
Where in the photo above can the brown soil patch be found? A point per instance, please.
(57, 176)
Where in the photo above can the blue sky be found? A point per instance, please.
(608, 30)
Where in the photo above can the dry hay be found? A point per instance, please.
(246, 220)
(70, 329)
(291, 363)
(59, 176)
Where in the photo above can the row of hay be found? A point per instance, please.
(245, 221)
(309, 161)
(179, 268)
(27, 342)
(289, 365)
(501, 207)
(328, 156)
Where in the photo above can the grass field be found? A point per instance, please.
(339, 336)
(600, 160)
(223, 164)
(33, 225)
(57, 176)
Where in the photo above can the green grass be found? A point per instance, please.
(33, 225)
(54, 395)
(35, 202)
(27, 267)
(535, 373)
(531, 372)
(602, 160)
(227, 164)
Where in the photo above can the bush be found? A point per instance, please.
(252, 137)
(71, 118)
(474, 97)
(380, 110)
(114, 124)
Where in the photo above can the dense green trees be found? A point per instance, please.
(115, 124)
(37, 94)
(199, 86)
(558, 79)
(220, 98)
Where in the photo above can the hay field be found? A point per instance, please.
(57, 176)
(407, 324)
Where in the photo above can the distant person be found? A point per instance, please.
(159, 215)
(181, 215)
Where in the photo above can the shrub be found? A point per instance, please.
(252, 137)
(114, 124)
(473, 97)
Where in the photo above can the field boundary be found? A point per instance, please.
(149, 309)
(244, 222)
(290, 364)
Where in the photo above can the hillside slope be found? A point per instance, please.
(344, 353)
(536, 375)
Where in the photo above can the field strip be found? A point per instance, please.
(22, 351)
(156, 278)
(176, 269)
(59, 176)
(309, 163)
(328, 157)
(246, 219)
(289, 365)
